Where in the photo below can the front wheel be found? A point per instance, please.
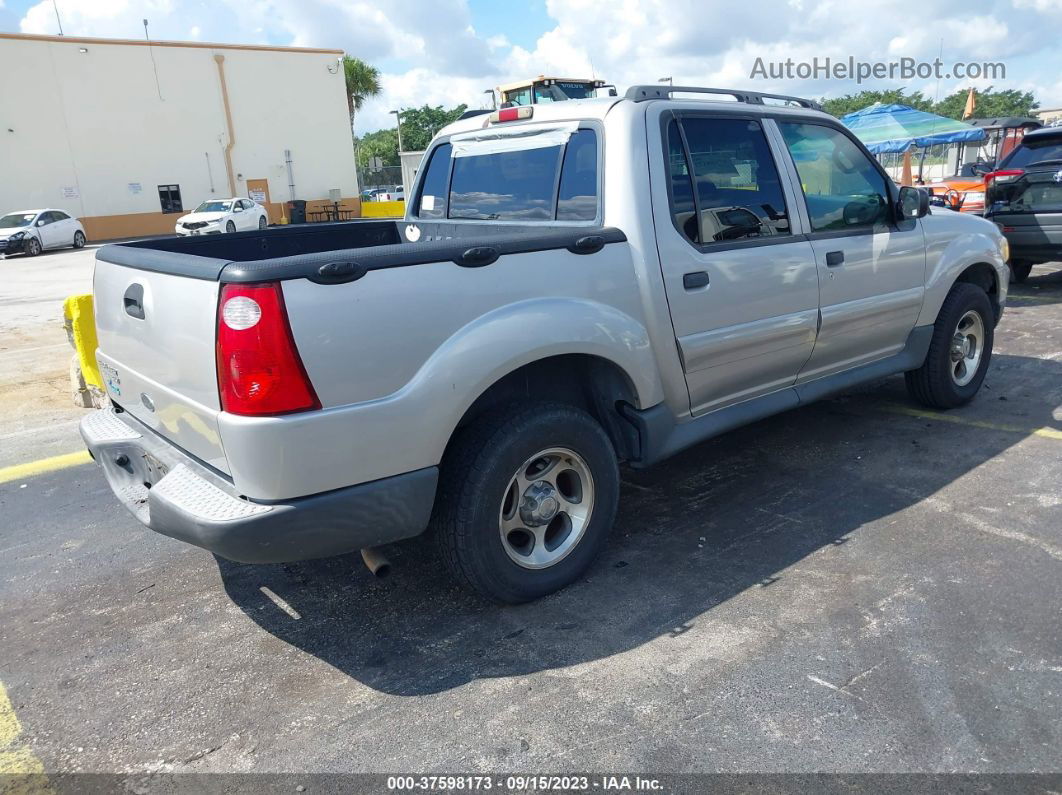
(1020, 270)
(526, 499)
(33, 247)
(79, 239)
(959, 352)
(230, 227)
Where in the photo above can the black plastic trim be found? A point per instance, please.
(660, 436)
(439, 241)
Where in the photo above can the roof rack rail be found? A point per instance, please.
(644, 93)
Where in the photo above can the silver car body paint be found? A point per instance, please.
(397, 357)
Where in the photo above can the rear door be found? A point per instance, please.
(740, 278)
(871, 266)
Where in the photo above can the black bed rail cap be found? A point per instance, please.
(645, 93)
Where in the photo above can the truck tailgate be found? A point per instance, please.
(157, 353)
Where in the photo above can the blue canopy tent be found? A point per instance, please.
(896, 128)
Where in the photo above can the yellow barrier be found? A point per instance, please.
(383, 209)
(81, 323)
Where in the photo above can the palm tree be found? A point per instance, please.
(362, 81)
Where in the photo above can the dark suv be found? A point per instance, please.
(1024, 197)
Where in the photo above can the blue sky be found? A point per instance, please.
(448, 51)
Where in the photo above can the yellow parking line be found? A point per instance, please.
(22, 471)
(17, 760)
(1045, 432)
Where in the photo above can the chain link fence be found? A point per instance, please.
(385, 177)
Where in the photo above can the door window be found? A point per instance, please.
(722, 172)
(842, 187)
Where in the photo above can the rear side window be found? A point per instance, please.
(541, 183)
(734, 184)
(433, 190)
(577, 198)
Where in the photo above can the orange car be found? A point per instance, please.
(965, 191)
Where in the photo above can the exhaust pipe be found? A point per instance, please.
(376, 562)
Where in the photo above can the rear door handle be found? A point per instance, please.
(834, 259)
(695, 280)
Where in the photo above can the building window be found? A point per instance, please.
(170, 198)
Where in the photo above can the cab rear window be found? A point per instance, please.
(534, 184)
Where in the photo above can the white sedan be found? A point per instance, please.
(219, 216)
(30, 232)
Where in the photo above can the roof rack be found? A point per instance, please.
(644, 93)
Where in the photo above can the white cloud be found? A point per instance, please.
(432, 53)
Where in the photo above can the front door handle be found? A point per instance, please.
(834, 259)
(695, 280)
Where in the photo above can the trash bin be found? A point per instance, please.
(297, 211)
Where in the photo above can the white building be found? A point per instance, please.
(127, 134)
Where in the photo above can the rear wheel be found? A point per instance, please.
(79, 239)
(959, 352)
(33, 247)
(262, 223)
(230, 227)
(526, 500)
(1020, 270)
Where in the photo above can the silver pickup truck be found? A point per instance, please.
(574, 286)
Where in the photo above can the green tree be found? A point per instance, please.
(362, 81)
(839, 106)
(989, 103)
(382, 144)
(419, 125)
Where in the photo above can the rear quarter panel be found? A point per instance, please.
(398, 356)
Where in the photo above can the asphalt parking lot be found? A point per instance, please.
(855, 586)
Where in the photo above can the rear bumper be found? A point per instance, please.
(1036, 238)
(175, 495)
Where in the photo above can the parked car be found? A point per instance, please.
(1024, 198)
(218, 216)
(395, 194)
(32, 231)
(486, 363)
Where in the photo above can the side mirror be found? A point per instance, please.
(237, 209)
(913, 202)
(41, 222)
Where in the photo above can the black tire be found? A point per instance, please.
(1020, 270)
(933, 383)
(79, 239)
(476, 474)
(33, 247)
(230, 227)
(262, 222)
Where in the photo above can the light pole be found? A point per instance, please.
(669, 80)
(398, 122)
(493, 101)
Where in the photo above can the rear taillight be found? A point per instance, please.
(259, 369)
(1006, 175)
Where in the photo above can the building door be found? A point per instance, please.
(258, 191)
